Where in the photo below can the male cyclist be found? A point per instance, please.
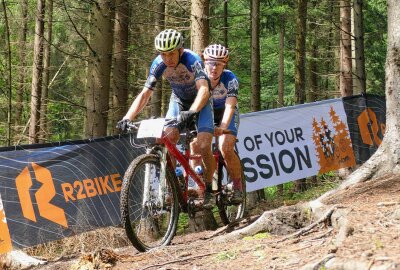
(190, 97)
(225, 85)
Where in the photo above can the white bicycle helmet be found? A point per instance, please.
(216, 52)
(168, 40)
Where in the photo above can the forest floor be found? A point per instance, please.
(373, 242)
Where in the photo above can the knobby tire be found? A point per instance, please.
(150, 222)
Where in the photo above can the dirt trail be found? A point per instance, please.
(373, 211)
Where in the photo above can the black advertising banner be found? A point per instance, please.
(51, 192)
(366, 118)
(48, 192)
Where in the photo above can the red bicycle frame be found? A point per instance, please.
(183, 159)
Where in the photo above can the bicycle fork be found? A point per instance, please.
(152, 173)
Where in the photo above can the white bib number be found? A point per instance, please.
(151, 128)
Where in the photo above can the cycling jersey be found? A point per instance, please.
(227, 87)
(182, 78)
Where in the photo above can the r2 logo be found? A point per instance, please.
(370, 128)
(43, 196)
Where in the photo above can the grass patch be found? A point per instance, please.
(324, 183)
(110, 237)
(227, 255)
(183, 223)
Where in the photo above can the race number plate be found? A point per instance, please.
(151, 128)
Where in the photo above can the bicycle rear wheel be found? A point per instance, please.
(229, 212)
(149, 205)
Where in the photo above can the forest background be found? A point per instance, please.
(69, 69)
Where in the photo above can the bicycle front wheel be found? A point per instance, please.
(149, 203)
(227, 211)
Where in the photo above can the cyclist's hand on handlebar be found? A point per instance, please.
(186, 117)
(123, 124)
(218, 131)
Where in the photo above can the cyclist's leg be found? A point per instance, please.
(227, 147)
(195, 150)
(205, 125)
(171, 131)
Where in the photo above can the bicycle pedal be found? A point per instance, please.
(194, 205)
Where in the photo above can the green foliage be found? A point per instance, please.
(71, 26)
(227, 255)
(183, 223)
(375, 43)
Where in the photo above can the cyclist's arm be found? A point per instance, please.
(230, 106)
(139, 103)
(203, 94)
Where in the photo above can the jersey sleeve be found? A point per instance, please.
(194, 64)
(233, 85)
(156, 70)
(198, 69)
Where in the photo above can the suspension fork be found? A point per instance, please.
(149, 174)
(162, 187)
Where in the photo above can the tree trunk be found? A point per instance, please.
(43, 129)
(99, 67)
(300, 75)
(331, 51)
(9, 81)
(166, 91)
(281, 78)
(199, 25)
(37, 70)
(225, 31)
(313, 71)
(119, 83)
(346, 78)
(281, 71)
(255, 56)
(300, 51)
(254, 197)
(134, 40)
(156, 99)
(312, 63)
(358, 19)
(21, 69)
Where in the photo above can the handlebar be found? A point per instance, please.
(134, 126)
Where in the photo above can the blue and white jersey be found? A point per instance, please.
(182, 78)
(228, 86)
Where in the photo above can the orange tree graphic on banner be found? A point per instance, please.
(333, 147)
(5, 239)
(43, 196)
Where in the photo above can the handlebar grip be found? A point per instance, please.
(133, 125)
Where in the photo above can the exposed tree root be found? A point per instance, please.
(302, 231)
(17, 259)
(317, 265)
(283, 220)
(231, 226)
